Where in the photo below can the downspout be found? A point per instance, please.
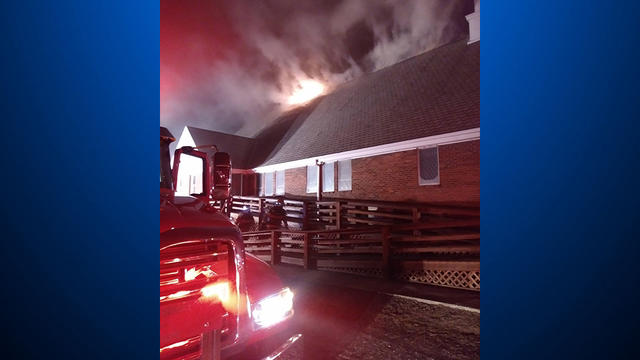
(320, 166)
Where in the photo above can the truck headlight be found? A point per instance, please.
(273, 309)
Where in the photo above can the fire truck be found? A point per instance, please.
(216, 300)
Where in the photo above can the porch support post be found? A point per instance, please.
(275, 247)
(320, 166)
(386, 252)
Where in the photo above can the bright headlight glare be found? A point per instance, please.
(273, 309)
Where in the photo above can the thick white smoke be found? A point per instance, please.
(286, 42)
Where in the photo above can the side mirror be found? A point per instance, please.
(221, 176)
(190, 172)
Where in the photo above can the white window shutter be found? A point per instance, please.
(312, 179)
(280, 182)
(328, 184)
(344, 175)
(268, 184)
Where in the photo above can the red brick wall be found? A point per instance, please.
(295, 181)
(394, 177)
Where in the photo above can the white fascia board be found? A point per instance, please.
(443, 139)
(474, 27)
(241, 171)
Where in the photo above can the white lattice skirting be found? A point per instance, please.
(456, 279)
(456, 274)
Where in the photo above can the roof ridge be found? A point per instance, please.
(365, 75)
(219, 132)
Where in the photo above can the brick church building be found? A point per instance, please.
(408, 132)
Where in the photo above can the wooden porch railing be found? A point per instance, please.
(296, 209)
(439, 253)
(307, 214)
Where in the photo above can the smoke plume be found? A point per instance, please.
(231, 67)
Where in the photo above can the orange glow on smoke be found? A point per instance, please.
(305, 91)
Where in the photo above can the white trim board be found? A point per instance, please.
(443, 139)
(432, 302)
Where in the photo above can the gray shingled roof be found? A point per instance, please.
(238, 147)
(433, 93)
(430, 94)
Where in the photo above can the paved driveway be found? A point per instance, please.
(350, 317)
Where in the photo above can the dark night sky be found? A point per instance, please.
(232, 65)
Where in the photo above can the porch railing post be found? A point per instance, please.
(386, 252)
(305, 215)
(307, 252)
(275, 247)
(415, 216)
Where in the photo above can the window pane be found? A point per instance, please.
(280, 182)
(327, 177)
(429, 172)
(344, 175)
(312, 179)
(268, 184)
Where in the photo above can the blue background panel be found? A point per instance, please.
(80, 113)
(559, 154)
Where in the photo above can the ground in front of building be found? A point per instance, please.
(345, 317)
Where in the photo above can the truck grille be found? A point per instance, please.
(188, 269)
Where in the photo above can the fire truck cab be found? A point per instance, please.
(216, 301)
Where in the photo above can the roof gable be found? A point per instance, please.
(238, 147)
(185, 138)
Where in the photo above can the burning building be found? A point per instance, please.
(407, 132)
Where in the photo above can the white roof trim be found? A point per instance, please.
(474, 24)
(443, 139)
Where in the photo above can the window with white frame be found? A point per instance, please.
(328, 172)
(280, 182)
(344, 175)
(428, 167)
(312, 178)
(268, 184)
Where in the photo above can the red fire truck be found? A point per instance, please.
(216, 301)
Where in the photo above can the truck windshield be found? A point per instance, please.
(165, 166)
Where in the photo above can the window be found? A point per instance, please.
(268, 184)
(429, 173)
(328, 184)
(312, 179)
(280, 182)
(260, 181)
(344, 175)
